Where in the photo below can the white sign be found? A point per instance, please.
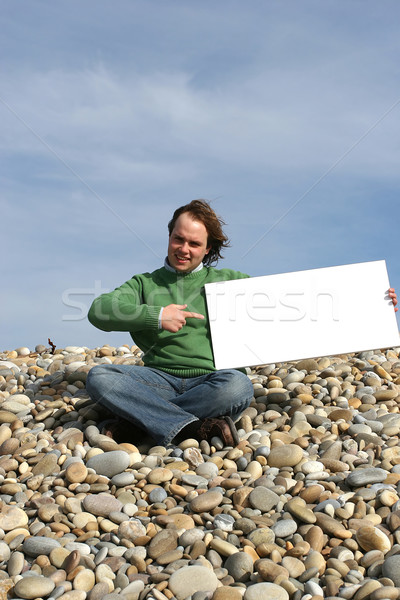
(321, 312)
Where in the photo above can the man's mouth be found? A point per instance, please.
(181, 258)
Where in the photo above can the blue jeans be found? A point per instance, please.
(163, 404)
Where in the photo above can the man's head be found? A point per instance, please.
(195, 236)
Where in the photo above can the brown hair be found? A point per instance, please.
(202, 211)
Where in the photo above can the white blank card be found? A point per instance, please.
(320, 312)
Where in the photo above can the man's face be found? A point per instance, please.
(187, 244)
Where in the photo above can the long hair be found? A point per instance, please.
(202, 211)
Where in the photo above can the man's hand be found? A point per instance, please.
(393, 297)
(174, 317)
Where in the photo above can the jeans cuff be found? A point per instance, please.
(177, 429)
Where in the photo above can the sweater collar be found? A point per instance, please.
(168, 267)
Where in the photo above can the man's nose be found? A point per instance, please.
(185, 247)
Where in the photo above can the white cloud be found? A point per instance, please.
(159, 126)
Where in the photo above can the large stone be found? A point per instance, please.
(262, 535)
(109, 463)
(130, 530)
(391, 569)
(188, 580)
(101, 504)
(362, 477)
(266, 591)
(299, 509)
(34, 546)
(34, 587)
(206, 502)
(12, 517)
(240, 566)
(372, 538)
(332, 526)
(164, 541)
(263, 499)
(5, 552)
(284, 528)
(269, 570)
(227, 593)
(46, 465)
(84, 580)
(285, 456)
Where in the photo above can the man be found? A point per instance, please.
(178, 392)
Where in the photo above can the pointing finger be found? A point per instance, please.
(193, 315)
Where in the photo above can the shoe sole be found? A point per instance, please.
(232, 427)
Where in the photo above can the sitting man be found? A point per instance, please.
(178, 391)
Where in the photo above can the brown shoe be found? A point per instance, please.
(118, 430)
(222, 427)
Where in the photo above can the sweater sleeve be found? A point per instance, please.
(124, 310)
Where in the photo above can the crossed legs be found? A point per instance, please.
(163, 404)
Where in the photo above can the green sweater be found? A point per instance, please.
(135, 307)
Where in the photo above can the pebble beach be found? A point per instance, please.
(306, 507)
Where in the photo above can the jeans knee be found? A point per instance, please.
(239, 386)
(94, 377)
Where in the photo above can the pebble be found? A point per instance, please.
(209, 470)
(131, 530)
(164, 541)
(15, 563)
(299, 509)
(363, 477)
(109, 463)
(101, 504)
(240, 566)
(284, 528)
(34, 587)
(263, 499)
(264, 591)
(224, 522)
(46, 465)
(305, 507)
(84, 580)
(372, 538)
(35, 546)
(223, 547)
(158, 494)
(391, 569)
(12, 517)
(285, 456)
(206, 502)
(227, 593)
(188, 580)
(261, 535)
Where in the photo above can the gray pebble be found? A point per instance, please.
(240, 566)
(34, 546)
(391, 569)
(109, 463)
(362, 477)
(224, 522)
(284, 528)
(157, 494)
(263, 499)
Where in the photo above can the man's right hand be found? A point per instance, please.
(174, 317)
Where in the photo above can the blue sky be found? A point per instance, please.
(284, 114)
